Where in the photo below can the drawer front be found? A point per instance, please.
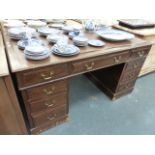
(49, 103)
(49, 116)
(126, 86)
(95, 63)
(135, 65)
(41, 75)
(45, 91)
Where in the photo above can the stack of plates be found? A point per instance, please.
(67, 50)
(19, 33)
(80, 41)
(36, 24)
(45, 31)
(115, 35)
(57, 25)
(13, 23)
(67, 29)
(53, 38)
(25, 42)
(36, 52)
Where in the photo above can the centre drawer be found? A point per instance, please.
(45, 91)
(49, 103)
(49, 116)
(98, 62)
(41, 75)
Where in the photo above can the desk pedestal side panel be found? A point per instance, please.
(149, 65)
(11, 118)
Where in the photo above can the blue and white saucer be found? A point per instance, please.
(97, 43)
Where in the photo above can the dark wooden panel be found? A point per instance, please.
(45, 91)
(41, 75)
(49, 115)
(49, 103)
(99, 62)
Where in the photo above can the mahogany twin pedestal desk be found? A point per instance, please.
(43, 88)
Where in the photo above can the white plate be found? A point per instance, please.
(115, 35)
(36, 24)
(36, 49)
(18, 32)
(38, 57)
(58, 26)
(97, 43)
(45, 31)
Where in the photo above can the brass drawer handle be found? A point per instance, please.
(89, 67)
(50, 91)
(141, 53)
(47, 77)
(51, 118)
(50, 104)
(117, 59)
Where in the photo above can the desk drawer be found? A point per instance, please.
(49, 116)
(139, 52)
(35, 76)
(45, 91)
(49, 103)
(100, 62)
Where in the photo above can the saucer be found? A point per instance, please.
(97, 43)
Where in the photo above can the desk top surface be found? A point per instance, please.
(3, 61)
(18, 62)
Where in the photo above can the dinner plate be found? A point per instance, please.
(58, 26)
(37, 57)
(67, 50)
(54, 38)
(115, 35)
(80, 39)
(36, 49)
(67, 29)
(25, 42)
(36, 23)
(97, 43)
(45, 31)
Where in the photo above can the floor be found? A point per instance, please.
(93, 113)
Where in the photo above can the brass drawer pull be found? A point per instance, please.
(51, 118)
(89, 67)
(135, 66)
(117, 59)
(50, 104)
(50, 91)
(47, 77)
(141, 53)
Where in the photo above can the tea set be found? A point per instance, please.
(35, 49)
